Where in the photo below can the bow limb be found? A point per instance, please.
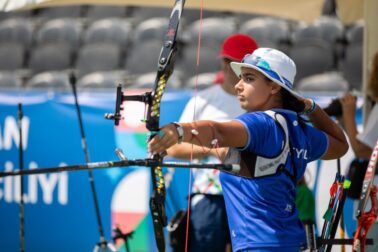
(165, 69)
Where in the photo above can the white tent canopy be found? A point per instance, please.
(305, 10)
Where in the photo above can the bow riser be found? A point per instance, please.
(153, 101)
(165, 70)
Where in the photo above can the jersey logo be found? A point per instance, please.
(301, 153)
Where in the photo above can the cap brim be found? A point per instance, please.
(236, 67)
(227, 56)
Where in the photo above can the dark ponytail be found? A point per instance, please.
(290, 102)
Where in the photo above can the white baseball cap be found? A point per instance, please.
(272, 63)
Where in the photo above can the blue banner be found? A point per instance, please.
(59, 209)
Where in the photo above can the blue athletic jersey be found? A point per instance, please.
(261, 211)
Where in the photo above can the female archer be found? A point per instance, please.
(272, 143)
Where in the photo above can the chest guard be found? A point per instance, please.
(256, 166)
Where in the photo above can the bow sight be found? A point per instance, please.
(120, 98)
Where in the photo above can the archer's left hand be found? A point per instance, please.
(166, 138)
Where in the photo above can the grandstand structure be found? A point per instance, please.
(108, 45)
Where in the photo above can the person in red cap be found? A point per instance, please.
(208, 221)
(233, 48)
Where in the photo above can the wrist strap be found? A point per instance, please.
(180, 132)
(310, 110)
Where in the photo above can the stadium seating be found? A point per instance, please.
(12, 56)
(208, 61)
(354, 33)
(10, 80)
(325, 82)
(55, 80)
(61, 30)
(143, 57)
(107, 79)
(17, 30)
(98, 57)
(214, 30)
(311, 57)
(351, 66)
(331, 29)
(50, 57)
(151, 29)
(98, 41)
(325, 28)
(110, 30)
(267, 31)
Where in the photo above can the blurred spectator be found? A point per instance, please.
(363, 143)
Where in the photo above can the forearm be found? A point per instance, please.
(208, 134)
(202, 133)
(213, 134)
(360, 149)
(338, 143)
(188, 151)
(322, 121)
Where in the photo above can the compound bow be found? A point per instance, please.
(153, 100)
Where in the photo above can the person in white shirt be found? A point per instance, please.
(363, 143)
